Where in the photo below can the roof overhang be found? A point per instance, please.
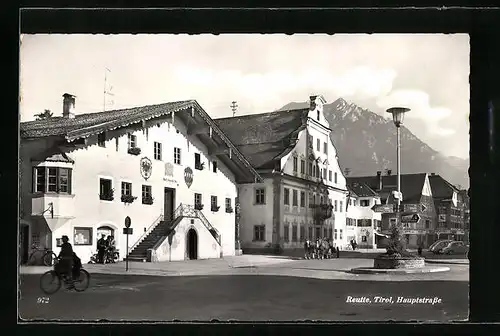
(199, 124)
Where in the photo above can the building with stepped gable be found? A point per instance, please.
(82, 174)
(303, 193)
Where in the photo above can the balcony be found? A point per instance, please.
(322, 211)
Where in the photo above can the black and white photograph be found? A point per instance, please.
(243, 177)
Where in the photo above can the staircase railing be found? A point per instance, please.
(209, 226)
(187, 210)
(147, 232)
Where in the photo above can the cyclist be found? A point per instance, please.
(65, 264)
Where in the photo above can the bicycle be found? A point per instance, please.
(47, 258)
(81, 280)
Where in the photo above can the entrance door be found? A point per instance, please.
(168, 206)
(192, 244)
(23, 243)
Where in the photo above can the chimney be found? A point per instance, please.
(379, 180)
(389, 172)
(68, 105)
(312, 102)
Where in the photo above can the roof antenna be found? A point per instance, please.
(234, 106)
(107, 91)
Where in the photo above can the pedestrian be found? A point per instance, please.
(354, 245)
(338, 252)
(306, 249)
(419, 250)
(101, 249)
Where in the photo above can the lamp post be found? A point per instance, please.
(398, 117)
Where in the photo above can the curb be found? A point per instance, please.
(369, 270)
(444, 261)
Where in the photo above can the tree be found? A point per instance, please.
(45, 115)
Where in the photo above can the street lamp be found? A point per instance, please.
(398, 117)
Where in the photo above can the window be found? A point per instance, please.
(324, 173)
(330, 175)
(310, 141)
(363, 239)
(321, 200)
(82, 236)
(341, 205)
(132, 141)
(318, 232)
(317, 115)
(427, 223)
(325, 148)
(330, 233)
(295, 164)
(147, 194)
(286, 196)
(229, 208)
(335, 206)
(295, 198)
(117, 144)
(101, 139)
(302, 199)
(335, 177)
(260, 196)
(105, 189)
(313, 199)
(302, 232)
(310, 232)
(364, 203)
(157, 151)
(286, 233)
(259, 233)
(335, 234)
(317, 172)
(302, 166)
(197, 199)
(126, 189)
(213, 203)
(197, 161)
(318, 145)
(310, 169)
(341, 235)
(177, 155)
(52, 179)
(214, 166)
(365, 222)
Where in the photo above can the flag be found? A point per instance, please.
(348, 199)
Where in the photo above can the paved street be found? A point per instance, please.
(291, 290)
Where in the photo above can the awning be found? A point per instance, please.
(53, 223)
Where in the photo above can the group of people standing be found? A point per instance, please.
(105, 246)
(320, 249)
(353, 244)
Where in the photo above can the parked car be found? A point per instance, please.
(438, 245)
(455, 247)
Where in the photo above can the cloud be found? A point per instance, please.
(419, 103)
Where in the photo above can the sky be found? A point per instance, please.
(428, 73)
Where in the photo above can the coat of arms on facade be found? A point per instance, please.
(169, 169)
(188, 176)
(146, 168)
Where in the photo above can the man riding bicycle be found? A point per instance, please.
(65, 264)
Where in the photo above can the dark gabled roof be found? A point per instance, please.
(88, 124)
(266, 136)
(411, 185)
(361, 190)
(441, 189)
(96, 122)
(53, 154)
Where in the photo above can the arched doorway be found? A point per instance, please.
(192, 244)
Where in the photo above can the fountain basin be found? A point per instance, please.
(396, 261)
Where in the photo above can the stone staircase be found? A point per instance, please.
(161, 228)
(140, 250)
